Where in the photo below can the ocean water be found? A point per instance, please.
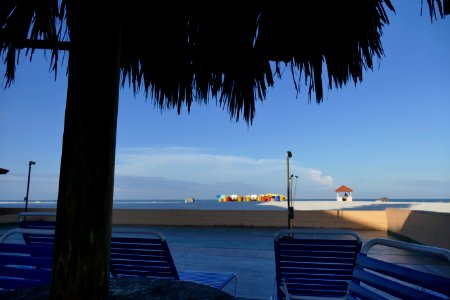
(143, 204)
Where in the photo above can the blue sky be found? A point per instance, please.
(388, 136)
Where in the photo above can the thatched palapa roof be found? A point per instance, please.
(187, 51)
(179, 52)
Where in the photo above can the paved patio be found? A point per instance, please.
(248, 252)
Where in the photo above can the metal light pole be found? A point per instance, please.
(290, 187)
(290, 209)
(28, 184)
(295, 188)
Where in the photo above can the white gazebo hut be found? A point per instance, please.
(347, 196)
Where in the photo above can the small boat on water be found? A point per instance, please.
(383, 199)
(189, 200)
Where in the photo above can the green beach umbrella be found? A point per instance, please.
(177, 53)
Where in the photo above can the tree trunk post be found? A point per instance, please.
(84, 209)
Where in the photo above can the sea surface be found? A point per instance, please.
(147, 204)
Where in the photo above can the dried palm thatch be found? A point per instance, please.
(178, 53)
(184, 52)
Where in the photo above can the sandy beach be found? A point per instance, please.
(300, 205)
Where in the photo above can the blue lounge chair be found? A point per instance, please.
(378, 279)
(150, 257)
(146, 256)
(314, 263)
(23, 265)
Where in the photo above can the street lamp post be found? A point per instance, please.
(290, 209)
(28, 184)
(295, 187)
(291, 195)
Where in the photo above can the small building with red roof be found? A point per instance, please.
(347, 196)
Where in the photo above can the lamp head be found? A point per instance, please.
(32, 163)
(289, 154)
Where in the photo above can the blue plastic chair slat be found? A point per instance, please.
(430, 281)
(361, 293)
(25, 260)
(25, 249)
(139, 256)
(30, 273)
(132, 240)
(14, 283)
(315, 259)
(146, 252)
(310, 267)
(126, 265)
(135, 247)
(329, 282)
(392, 287)
(38, 240)
(141, 263)
(315, 291)
(125, 251)
(348, 254)
(317, 242)
(319, 275)
(317, 248)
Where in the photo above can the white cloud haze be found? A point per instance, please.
(177, 172)
(174, 172)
